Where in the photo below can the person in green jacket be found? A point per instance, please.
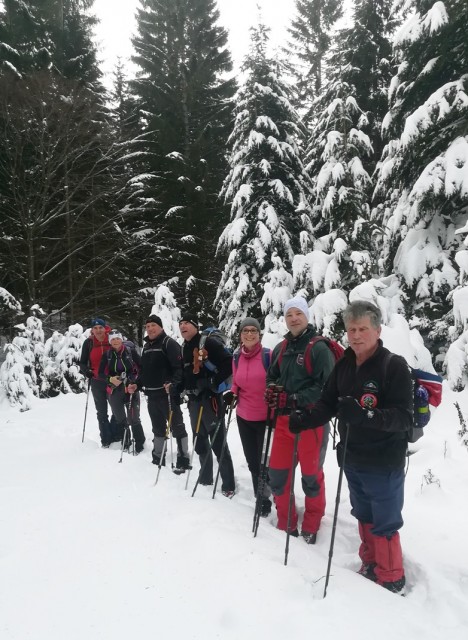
(300, 366)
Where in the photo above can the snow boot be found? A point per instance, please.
(265, 508)
(389, 558)
(398, 586)
(309, 538)
(368, 571)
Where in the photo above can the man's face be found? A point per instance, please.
(99, 332)
(296, 321)
(187, 330)
(153, 330)
(362, 337)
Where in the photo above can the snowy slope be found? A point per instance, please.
(90, 549)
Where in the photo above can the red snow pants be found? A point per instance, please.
(310, 454)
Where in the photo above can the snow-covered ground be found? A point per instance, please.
(90, 549)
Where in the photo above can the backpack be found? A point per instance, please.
(221, 337)
(129, 347)
(427, 390)
(335, 347)
(266, 357)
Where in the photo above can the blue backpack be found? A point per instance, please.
(221, 337)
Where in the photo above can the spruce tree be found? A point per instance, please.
(309, 42)
(183, 95)
(424, 166)
(267, 188)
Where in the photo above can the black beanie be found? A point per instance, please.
(154, 318)
(189, 316)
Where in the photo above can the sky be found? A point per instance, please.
(118, 24)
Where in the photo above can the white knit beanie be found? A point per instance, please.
(115, 334)
(297, 303)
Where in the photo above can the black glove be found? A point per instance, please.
(89, 374)
(299, 421)
(350, 411)
(229, 397)
(176, 398)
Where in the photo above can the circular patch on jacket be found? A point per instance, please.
(300, 360)
(368, 401)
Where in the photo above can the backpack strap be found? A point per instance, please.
(283, 346)
(266, 358)
(307, 357)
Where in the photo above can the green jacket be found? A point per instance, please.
(292, 373)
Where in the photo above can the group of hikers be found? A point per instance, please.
(298, 387)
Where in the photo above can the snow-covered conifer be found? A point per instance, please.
(15, 380)
(68, 358)
(165, 306)
(267, 188)
(424, 170)
(52, 375)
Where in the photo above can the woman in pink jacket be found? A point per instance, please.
(249, 365)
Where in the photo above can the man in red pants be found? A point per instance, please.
(301, 371)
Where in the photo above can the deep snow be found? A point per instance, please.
(91, 549)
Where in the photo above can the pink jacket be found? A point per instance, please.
(249, 384)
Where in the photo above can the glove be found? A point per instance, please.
(298, 421)
(115, 381)
(176, 398)
(270, 396)
(276, 398)
(89, 374)
(230, 398)
(350, 411)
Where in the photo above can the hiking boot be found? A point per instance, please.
(266, 508)
(309, 538)
(105, 445)
(156, 460)
(139, 446)
(294, 533)
(368, 571)
(397, 587)
(182, 463)
(228, 493)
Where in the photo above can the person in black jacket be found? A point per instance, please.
(201, 384)
(372, 395)
(119, 367)
(160, 378)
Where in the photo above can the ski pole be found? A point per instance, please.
(335, 516)
(291, 498)
(205, 461)
(127, 427)
(170, 422)
(163, 452)
(223, 448)
(86, 410)
(271, 423)
(200, 413)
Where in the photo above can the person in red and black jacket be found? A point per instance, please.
(91, 354)
(374, 405)
(120, 367)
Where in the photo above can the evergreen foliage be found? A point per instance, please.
(424, 166)
(183, 95)
(309, 41)
(267, 188)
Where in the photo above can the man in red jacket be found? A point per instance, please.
(91, 354)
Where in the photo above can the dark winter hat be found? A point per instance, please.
(189, 316)
(249, 322)
(154, 318)
(96, 321)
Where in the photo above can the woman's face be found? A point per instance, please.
(250, 336)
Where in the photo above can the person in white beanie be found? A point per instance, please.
(300, 366)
